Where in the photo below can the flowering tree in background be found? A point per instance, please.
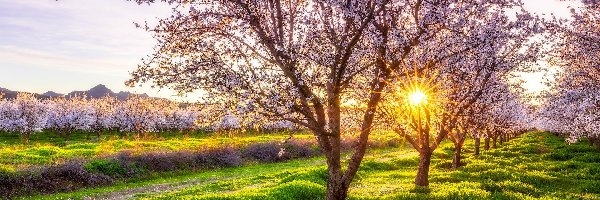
(500, 107)
(572, 107)
(467, 66)
(67, 115)
(102, 117)
(63, 116)
(480, 85)
(24, 115)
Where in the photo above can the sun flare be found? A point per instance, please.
(417, 97)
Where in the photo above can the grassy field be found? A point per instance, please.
(49, 149)
(534, 166)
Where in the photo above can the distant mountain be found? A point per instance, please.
(9, 94)
(52, 94)
(98, 91)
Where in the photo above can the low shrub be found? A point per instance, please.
(221, 157)
(10, 184)
(131, 169)
(111, 167)
(157, 161)
(79, 174)
(276, 152)
(264, 152)
(60, 178)
(67, 177)
(300, 149)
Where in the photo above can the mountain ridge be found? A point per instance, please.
(95, 92)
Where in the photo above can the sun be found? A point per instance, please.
(417, 98)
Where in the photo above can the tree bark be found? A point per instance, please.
(456, 161)
(336, 189)
(360, 149)
(68, 134)
(477, 145)
(494, 144)
(486, 146)
(422, 178)
(25, 138)
(501, 139)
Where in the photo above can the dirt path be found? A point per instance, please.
(150, 189)
(237, 173)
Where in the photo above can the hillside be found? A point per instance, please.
(95, 92)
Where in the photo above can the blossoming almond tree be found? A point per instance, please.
(24, 115)
(67, 115)
(460, 66)
(297, 60)
(284, 60)
(572, 107)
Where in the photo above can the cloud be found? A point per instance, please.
(11, 55)
(88, 37)
(76, 44)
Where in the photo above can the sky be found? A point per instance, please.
(69, 45)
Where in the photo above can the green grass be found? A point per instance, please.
(174, 178)
(522, 169)
(533, 166)
(48, 148)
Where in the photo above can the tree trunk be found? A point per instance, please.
(501, 139)
(423, 171)
(336, 190)
(594, 141)
(495, 142)
(456, 160)
(477, 144)
(486, 146)
(68, 134)
(25, 138)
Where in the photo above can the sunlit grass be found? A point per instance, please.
(521, 169)
(534, 166)
(47, 149)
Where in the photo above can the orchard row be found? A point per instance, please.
(27, 115)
